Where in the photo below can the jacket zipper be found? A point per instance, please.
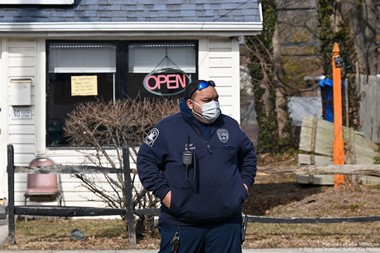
(199, 133)
(208, 147)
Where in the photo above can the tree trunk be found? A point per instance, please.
(362, 20)
(266, 101)
(282, 114)
(281, 101)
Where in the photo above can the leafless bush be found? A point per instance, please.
(105, 127)
(114, 123)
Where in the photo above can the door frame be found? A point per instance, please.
(4, 119)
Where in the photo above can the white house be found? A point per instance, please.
(48, 46)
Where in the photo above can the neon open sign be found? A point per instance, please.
(166, 82)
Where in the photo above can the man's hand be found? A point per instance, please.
(167, 199)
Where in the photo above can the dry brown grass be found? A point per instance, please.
(274, 194)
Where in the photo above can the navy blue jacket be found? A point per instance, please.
(210, 189)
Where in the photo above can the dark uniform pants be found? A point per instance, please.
(225, 237)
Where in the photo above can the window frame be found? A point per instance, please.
(120, 76)
(178, 41)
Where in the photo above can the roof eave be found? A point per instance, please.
(227, 28)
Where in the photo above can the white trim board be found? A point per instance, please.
(47, 2)
(244, 28)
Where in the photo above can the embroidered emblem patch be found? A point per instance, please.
(152, 136)
(223, 135)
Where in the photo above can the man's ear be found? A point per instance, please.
(190, 104)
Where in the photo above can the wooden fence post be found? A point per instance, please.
(338, 128)
(128, 195)
(11, 195)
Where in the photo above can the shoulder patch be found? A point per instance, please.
(223, 135)
(151, 136)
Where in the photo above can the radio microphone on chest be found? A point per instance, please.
(187, 157)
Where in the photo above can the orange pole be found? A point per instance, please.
(338, 129)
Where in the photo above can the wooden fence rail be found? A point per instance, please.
(69, 211)
(348, 169)
(296, 220)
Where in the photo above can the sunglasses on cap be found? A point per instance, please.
(203, 85)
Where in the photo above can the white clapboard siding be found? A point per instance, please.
(227, 109)
(23, 159)
(21, 71)
(73, 190)
(22, 65)
(218, 61)
(77, 157)
(74, 193)
(68, 197)
(225, 96)
(22, 62)
(224, 90)
(223, 60)
(3, 117)
(221, 72)
(24, 148)
(21, 128)
(22, 46)
(20, 139)
(23, 122)
(228, 100)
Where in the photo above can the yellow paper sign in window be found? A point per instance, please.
(84, 86)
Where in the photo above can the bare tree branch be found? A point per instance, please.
(106, 127)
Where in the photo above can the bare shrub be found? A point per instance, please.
(105, 127)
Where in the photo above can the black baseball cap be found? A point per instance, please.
(196, 85)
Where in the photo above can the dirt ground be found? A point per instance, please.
(275, 193)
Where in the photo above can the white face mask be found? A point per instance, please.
(210, 111)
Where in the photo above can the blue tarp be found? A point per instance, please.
(327, 88)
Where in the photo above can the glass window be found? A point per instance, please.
(69, 64)
(145, 57)
(160, 69)
(82, 58)
(87, 71)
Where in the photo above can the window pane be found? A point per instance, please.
(143, 58)
(82, 58)
(135, 60)
(67, 60)
(168, 65)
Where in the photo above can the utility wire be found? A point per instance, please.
(225, 14)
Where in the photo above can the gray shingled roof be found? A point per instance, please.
(135, 11)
